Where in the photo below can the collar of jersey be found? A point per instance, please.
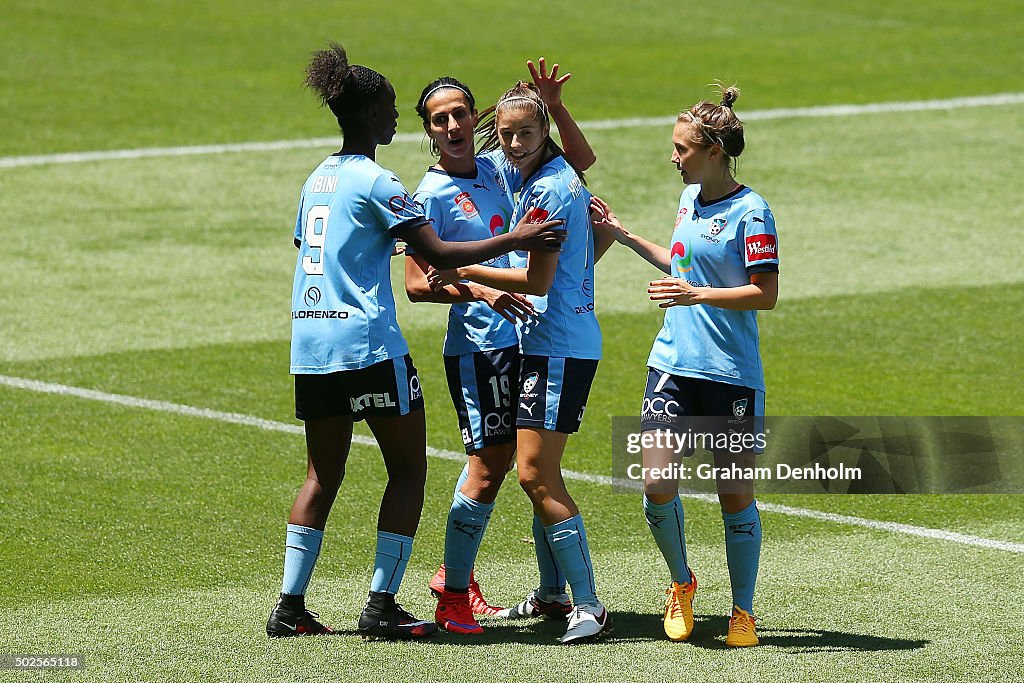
(464, 176)
(732, 194)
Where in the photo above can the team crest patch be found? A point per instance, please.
(739, 408)
(466, 205)
(679, 216)
(717, 225)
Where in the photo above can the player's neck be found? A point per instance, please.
(715, 188)
(357, 146)
(544, 157)
(462, 166)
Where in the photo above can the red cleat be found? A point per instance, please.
(454, 615)
(477, 603)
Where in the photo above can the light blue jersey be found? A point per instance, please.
(464, 209)
(717, 245)
(565, 324)
(343, 310)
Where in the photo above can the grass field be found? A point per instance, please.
(150, 542)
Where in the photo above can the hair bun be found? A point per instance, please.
(730, 95)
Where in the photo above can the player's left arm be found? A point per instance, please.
(574, 143)
(758, 241)
(760, 295)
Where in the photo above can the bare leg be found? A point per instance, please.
(403, 443)
(487, 470)
(540, 474)
(327, 447)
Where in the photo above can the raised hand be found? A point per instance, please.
(549, 84)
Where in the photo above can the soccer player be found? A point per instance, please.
(468, 197)
(561, 347)
(723, 266)
(348, 355)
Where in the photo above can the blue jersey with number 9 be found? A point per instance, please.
(343, 309)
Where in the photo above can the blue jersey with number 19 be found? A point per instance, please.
(464, 209)
(343, 310)
(719, 244)
(566, 324)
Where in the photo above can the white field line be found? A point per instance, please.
(275, 426)
(603, 124)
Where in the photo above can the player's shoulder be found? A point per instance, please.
(434, 184)
(489, 162)
(495, 159)
(558, 178)
(749, 200)
(689, 193)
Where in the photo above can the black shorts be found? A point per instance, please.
(553, 392)
(669, 397)
(484, 387)
(390, 387)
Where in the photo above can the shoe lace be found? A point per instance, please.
(742, 622)
(676, 598)
(404, 612)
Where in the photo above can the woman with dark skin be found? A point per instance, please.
(348, 355)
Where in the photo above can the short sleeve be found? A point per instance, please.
(548, 205)
(298, 221)
(760, 242)
(431, 208)
(505, 174)
(393, 206)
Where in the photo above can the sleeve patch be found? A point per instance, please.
(403, 207)
(761, 248)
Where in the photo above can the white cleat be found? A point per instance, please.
(555, 607)
(587, 623)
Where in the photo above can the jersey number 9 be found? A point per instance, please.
(316, 217)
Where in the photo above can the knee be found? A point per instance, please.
(657, 495)
(490, 484)
(531, 484)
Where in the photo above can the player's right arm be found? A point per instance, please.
(536, 278)
(604, 219)
(532, 237)
(509, 305)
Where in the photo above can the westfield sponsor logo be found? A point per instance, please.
(761, 247)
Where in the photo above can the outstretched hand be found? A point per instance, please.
(673, 291)
(437, 279)
(508, 305)
(603, 218)
(549, 84)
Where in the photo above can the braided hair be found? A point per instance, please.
(717, 124)
(346, 89)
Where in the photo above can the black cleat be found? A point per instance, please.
(384, 619)
(286, 621)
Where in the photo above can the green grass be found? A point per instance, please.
(123, 559)
(110, 74)
(152, 543)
